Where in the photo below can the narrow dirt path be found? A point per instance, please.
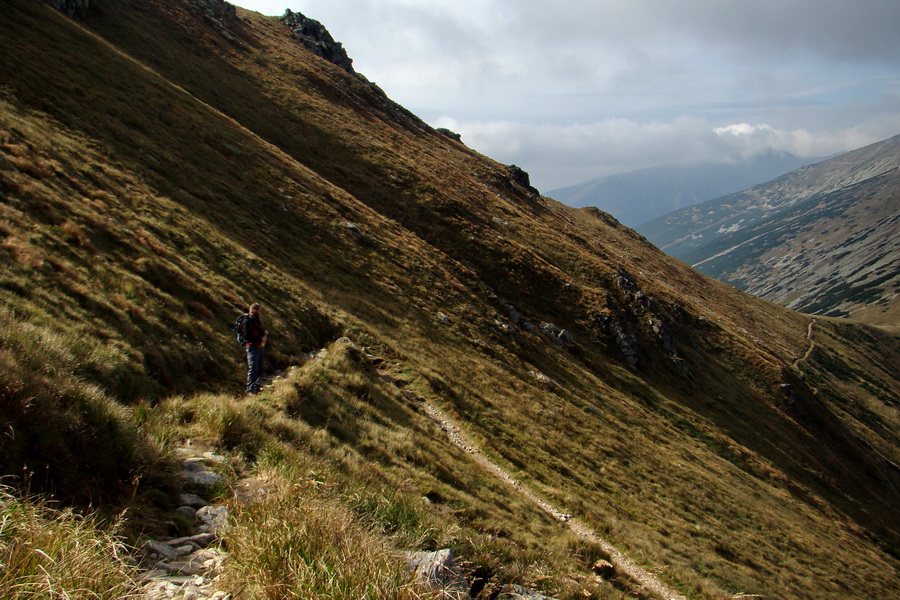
(812, 343)
(641, 576)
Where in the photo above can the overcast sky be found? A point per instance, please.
(571, 90)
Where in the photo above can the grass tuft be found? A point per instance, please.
(51, 553)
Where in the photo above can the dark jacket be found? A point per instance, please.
(253, 331)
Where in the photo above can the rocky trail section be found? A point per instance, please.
(186, 568)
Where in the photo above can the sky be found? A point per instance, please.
(573, 90)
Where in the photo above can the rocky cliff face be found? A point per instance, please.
(313, 35)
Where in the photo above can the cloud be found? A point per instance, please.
(557, 156)
(577, 89)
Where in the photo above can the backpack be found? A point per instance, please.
(239, 328)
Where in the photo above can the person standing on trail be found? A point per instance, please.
(254, 336)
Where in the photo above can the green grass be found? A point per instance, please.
(142, 208)
(47, 552)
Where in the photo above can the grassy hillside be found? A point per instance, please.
(157, 175)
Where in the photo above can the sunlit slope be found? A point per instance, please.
(163, 175)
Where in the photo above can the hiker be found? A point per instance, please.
(254, 337)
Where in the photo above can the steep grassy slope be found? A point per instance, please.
(156, 174)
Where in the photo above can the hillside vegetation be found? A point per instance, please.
(164, 163)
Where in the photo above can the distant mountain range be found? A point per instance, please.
(824, 239)
(639, 196)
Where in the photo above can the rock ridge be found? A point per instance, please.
(315, 37)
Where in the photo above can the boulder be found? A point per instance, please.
(438, 570)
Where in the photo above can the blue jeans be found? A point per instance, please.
(254, 368)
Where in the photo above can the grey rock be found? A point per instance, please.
(315, 37)
(517, 592)
(213, 518)
(202, 477)
(194, 464)
(188, 511)
(202, 540)
(160, 549)
(353, 228)
(439, 571)
(190, 500)
(450, 134)
(346, 342)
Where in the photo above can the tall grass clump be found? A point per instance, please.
(297, 545)
(50, 553)
(63, 434)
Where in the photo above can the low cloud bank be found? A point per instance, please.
(561, 155)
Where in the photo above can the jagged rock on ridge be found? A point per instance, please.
(315, 37)
(450, 134)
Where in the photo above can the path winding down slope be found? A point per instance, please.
(619, 560)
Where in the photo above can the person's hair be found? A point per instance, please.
(254, 305)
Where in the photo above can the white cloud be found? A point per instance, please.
(561, 155)
(577, 89)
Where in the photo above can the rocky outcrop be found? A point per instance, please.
(450, 134)
(73, 8)
(518, 177)
(633, 318)
(313, 35)
(438, 570)
(219, 14)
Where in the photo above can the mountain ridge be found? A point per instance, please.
(142, 206)
(638, 197)
(821, 239)
(721, 215)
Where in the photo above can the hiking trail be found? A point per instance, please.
(619, 560)
(812, 343)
